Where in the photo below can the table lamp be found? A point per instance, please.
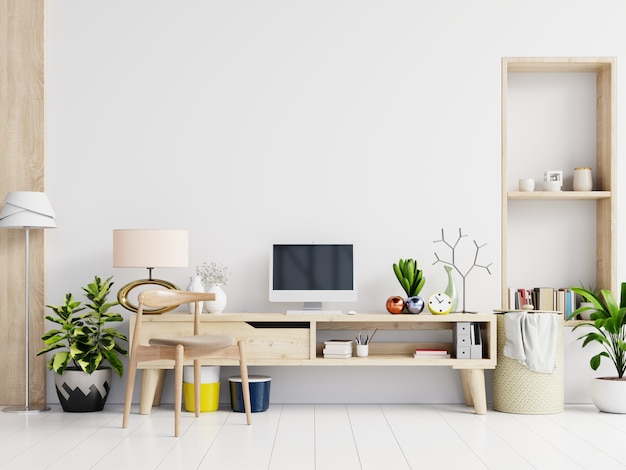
(26, 210)
(147, 248)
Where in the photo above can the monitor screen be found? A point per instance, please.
(312, 273)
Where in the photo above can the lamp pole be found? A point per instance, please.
(27, 408)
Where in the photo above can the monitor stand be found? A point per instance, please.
(312, 306)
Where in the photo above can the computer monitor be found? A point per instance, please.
(312, 273)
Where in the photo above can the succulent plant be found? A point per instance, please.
(411, 278)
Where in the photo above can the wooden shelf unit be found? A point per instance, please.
(275, 339)
(605, 160)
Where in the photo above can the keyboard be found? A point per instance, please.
(314, 312)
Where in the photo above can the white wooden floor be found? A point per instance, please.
(328, 437)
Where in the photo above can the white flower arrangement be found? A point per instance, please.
(213, 274)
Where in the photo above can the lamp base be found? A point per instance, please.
(122, 295)
(26, 409)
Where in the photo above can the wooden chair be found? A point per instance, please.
(182, 349)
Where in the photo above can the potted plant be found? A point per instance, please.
(412, 280)
(214, 277)
(608, 329)
(82, 345)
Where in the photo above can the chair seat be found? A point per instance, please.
(197, 341)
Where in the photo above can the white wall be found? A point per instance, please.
(247, 122)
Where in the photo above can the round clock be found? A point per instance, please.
(439, 304)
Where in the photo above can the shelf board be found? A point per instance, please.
(558, 195)
(576, 322)
(558, 64)
(405, 360)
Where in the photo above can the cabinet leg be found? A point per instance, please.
(151, 388)
(474, 389)
(465, 381)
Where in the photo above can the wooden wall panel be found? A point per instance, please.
(21, 169)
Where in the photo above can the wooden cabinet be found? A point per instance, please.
(274, 339)
(558, 114)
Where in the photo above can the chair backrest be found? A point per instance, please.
(169, 298)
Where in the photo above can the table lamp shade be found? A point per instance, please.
(150, 248)
(27, 209)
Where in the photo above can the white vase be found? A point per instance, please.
(195, 285)
(219, 304)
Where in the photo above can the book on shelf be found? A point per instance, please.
(337, 355)
(338, 348)
(440, 353)
(331, 350)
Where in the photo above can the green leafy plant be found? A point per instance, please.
(608, 326)
(82, 339)
(411, 278)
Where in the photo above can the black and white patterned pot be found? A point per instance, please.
(82, 392)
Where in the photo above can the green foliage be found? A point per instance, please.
(81, 336)
(410, 276)
(608, 326)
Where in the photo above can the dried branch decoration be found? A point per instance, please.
(453, 248)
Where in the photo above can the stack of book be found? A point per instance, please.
(440, 353)
(338, 348)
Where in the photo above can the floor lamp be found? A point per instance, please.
(26, 210)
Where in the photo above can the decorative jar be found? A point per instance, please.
(582, 179)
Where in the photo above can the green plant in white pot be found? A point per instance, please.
(608, 329)
(82, 345)
(214, 277)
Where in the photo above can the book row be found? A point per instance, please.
(548, 299)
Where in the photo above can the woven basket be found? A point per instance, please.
(517, 389)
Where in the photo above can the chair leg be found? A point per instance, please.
(245, 385)
(197, 380)
(131, 374)
(178, 387)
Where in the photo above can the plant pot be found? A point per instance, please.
(608, 393)
(415, 304)
(82, 392)
(587, 313)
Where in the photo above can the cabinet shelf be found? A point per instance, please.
(560, 195)
(539, 94)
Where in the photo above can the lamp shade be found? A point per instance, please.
(27, 209)
(146, 248)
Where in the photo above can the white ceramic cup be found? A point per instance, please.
(526, 184)
(362, 350)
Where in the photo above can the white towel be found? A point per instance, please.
(531, 339)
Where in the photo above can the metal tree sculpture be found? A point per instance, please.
(452, 263)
